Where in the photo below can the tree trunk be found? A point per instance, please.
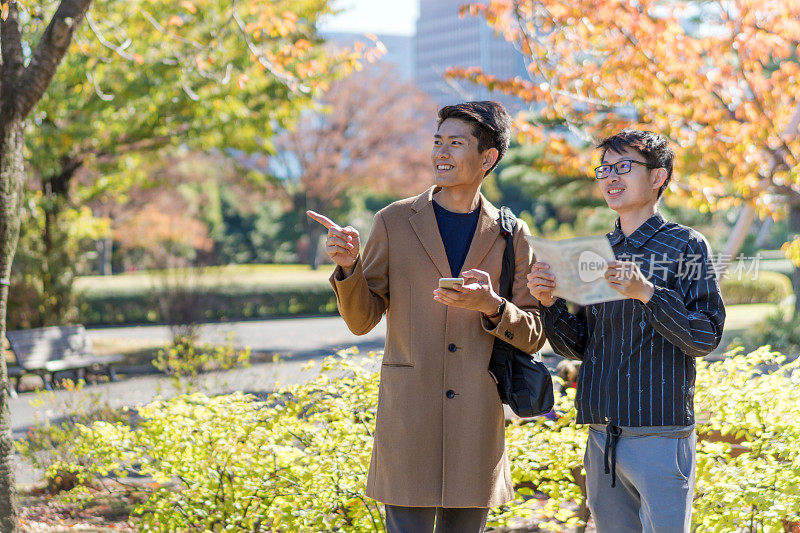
(737, 237)
(24, 79)
(59, 262)
(11, 179)
(104, 248)
(794, 227)
(315, 243)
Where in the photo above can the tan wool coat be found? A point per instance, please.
(431, 448)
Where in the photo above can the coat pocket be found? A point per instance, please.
(396, 358)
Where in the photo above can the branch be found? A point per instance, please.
(571, 124)
(453, 85)
(49, 53)
(71, 164)
(120, 50)
(287, 79)
(124, 146)
(792, 194)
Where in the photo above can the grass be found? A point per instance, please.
(136, 352)
(741, 317)
(240, 277)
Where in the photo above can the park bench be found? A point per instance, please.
(50, 350)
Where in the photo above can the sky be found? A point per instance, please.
(397, 17)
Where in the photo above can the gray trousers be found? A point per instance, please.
(654, 486)
(447, 519)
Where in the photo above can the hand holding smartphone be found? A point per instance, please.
(450, 283)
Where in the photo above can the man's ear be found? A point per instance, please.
(658, 177)
(489, 158)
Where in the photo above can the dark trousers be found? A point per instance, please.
(446, 519)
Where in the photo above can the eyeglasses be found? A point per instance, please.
(620, 167)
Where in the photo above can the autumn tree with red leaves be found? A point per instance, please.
(720, 79)
(371, 132)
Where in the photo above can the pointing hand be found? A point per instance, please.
(342, 244)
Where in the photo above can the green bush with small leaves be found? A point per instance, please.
(51, 446)
(748, 458)
(185, 359)
(298, 461)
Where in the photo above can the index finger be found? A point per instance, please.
(475, 274)
(322, 219)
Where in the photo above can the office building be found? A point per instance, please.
(445, 40)
(399, 48)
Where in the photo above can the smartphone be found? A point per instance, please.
(450, 283)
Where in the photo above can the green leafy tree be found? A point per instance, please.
(247, 64)
(147, 76)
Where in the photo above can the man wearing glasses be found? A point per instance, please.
(636, 381)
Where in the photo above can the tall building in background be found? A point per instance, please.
(445, 40)
(399, 48)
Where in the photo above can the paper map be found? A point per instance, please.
(578, 265)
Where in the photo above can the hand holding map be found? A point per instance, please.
(579, 266)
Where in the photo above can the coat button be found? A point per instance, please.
(450, 394)
(452, 347)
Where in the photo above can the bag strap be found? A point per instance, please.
(507, 224)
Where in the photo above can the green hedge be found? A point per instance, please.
(140, 305)
(213, 304)
(768, 287)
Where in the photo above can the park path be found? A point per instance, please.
(297, 341)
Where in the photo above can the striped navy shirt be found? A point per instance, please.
(638, 366)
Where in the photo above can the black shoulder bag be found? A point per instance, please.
(524, 383)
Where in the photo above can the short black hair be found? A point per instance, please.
(654, 148)
(491, 124)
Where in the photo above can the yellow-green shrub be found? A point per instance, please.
(751, 399)
(231, 463)
(299, 461)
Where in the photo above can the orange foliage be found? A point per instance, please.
(373, 132)
(157, 226)
(725, 91)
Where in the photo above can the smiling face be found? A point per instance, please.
(456, 158)
(634, 191)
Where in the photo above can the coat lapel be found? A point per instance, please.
(485, 235)
(423, 221)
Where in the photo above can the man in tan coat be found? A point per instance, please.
(439, 450)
